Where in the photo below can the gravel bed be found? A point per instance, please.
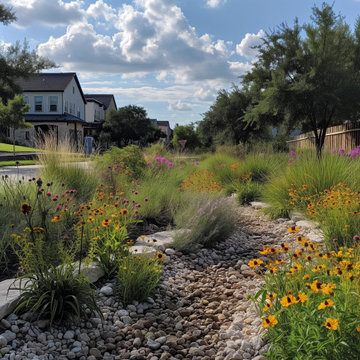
(200, 310)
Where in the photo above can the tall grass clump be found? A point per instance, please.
(306, 170)
(63, 162)
(209, 219)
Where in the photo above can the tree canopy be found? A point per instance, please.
(16, 61)
(307, 76)
(128, 124)
(188, 133)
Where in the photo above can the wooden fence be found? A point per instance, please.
(345, 136)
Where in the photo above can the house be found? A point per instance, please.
(165, 128)
(97, 106)
(57, 103)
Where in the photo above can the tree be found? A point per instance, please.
(223, 123)
(188, 133)
(13, 115)
(130, 123)
(16, 61)
(311, 82)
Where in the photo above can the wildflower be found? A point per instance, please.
(356, 238)
(271, 296)
(358, 329)
(90, 220)
(56, 218)
(284, 248)
(146, 199)
(149, 163)
(327, 289)
(106, 222)
(268, 305)
(288, 300)
(331, 324)
(160, 256)
(38, 230)
(265, 251)
(124, 211)
(130, 242)
(325, 304)
(306, 277)
(293, 229)
(302, 297)
(25, 208)
(269, 321)
(143, 236)
(255, 263)
(136, 192)
(273, 270)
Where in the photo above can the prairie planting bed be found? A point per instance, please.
(224, 281)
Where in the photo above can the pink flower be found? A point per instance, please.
(58, 207)
(48, 193)
(197, 163)
(146, 199)
(157, 159)
(149, 163)
(290, 160)
(356, 237)
(180, 167)
(341, 151)
(136, 192)
(138, 205)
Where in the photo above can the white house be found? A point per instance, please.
(57, 103)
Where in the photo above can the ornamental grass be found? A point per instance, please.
(310, 304)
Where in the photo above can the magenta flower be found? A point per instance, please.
(58, 207)
(48, 193)
(169, 164)
(149, 163)
(163, 160)
(180, 167)
(146, 199)
(335, 240)
(157, 159)
(290, 160)
(341, 151)
(356, 237)
(292, 153)
(197, 163)
(138, 205)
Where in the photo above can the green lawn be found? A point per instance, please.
(20, 162)
(9, 148)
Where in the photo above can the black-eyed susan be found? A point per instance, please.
(288, 300)
(124, 211)
(306, 277)
(284, 248)
(160, 256)
(90, 220)
(255, 263)
(269, 321)
(271, 296)
(302, 297)
(327, 289)
(106, 222)
(265, 251)
(332, 324)
(293, 229)
(267, 306)
(38, 230)
(326, 304)
(25, 208)
(56, 218)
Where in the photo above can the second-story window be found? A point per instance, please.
(53, 101)
(38, 103)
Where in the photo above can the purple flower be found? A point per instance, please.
(169, 164)
(192, 164)
(157, 159)
(197, 163)
(149, 163)
(334, 151)
(136, 192)
(180, 167)
(356, 237)
(138, 205)
(290, 160)
(163, 160)
(292, 153)
(341, 151)
(146, 199)
(335, 240)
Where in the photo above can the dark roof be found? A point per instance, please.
(103, 98)
(163, 123)
(53, 118)
(49, 82)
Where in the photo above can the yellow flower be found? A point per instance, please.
(271, 296)
(255, 262)
(130, 242)
(293, 229)
(269, 321)
(106, 222)
(288, 300)
(306, 277)
(90, 220)
(325, 304)
(302, 297)
(143, 236)
(331, 324)
(38, 230)
(160, 256)
(124, 211)
(268, 305)
(327, 289)
(56, 218)
(358, 329)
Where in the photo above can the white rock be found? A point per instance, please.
(153, 345)
(69, 335)
(107, 290)
(3, 341)
(170, 251)
(258, 205)
(93, 271)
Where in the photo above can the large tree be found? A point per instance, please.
(188, 133)
(223, 122)
(128, 124)
(307, 76)
(16, 61)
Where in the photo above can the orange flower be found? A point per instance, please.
(288, 300)
(124, 211)
(271, 296)
(57, 218)
(130, 242)
(331, 324)
(293, 229)
(255, 262)
(325, 304)
(106, 222)
(268, 305)
(269, 321)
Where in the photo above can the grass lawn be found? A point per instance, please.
(20, 163)
(9, 148)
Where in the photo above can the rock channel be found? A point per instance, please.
(200, 310)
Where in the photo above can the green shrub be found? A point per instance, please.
(248, 192)
(57, 295)
(138, 277)
(210, 218)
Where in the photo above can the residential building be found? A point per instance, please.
(57, 103)
(165, 128)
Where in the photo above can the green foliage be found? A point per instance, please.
(138, 277)
(188, 133)
(130, 123)
(6, 15)
(209, 218)
(8, 148)
(248, 191)
(310, 81)
(57, 295)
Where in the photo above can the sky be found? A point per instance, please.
(169, 56)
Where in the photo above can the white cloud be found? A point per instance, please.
(49, 12)
(180, 106)
(152, 37)
(246, 46)
(215, 3)
(205, 94)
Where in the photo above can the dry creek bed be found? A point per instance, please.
(200, 310)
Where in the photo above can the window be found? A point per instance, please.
(73, 90)
(26, 99)
(53, 100)
(66, 106)
(78, 112)
(38, 103)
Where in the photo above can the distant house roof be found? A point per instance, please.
(103, 98)
(50, 82)
(163, 123)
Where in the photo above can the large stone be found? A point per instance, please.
(8, 298)
(161, 240)
(143, 250)
(305, 224)
(296, 216)
(316, 236)
(93, 271)
(258, 205)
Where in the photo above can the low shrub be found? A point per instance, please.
(57, 295)
(210, 218)
(248, 191)
(138, 276)
(310, 303)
